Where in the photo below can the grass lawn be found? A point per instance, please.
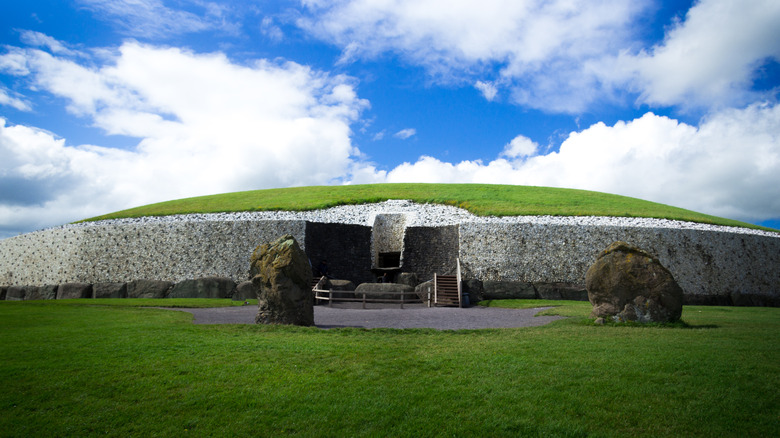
(73, 368)
(480, 199)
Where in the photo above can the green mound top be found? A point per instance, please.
(479, 199)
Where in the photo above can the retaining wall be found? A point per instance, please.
(124, 252)
(705, 263)
(702, 262)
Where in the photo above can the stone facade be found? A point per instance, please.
(711, 266)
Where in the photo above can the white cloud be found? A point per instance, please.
(564, 55)
(152, 19)
(14, 102)
(729, 166)
(543, 48)
(405, 133)
(204, 124)
(710, 58)
(38, 39)
(488, 89)
(520, 147)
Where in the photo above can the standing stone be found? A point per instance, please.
(628, 284)
(283, 283)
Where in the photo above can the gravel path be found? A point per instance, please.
(440, 318)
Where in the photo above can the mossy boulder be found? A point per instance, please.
(629, 284)
(283, 282)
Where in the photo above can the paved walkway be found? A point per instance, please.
(412, 316)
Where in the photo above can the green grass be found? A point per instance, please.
(480, 199)
(76, 369)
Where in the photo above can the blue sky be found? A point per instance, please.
(110, 104)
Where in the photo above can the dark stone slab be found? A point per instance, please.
(207, 287)
(503, 290)
(47, 292)
(245, 290)
(706, 300)
(561, 291)
(109, 290)
(148, 288)
(16, 293)
(3, 291)
(74, 290)
(474, 288)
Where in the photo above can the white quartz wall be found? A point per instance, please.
(702, 261)
(171, 251)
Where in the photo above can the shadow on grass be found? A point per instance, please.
(667, 325)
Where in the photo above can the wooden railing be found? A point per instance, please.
(368, 297)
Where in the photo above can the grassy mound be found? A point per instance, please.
(480, 199)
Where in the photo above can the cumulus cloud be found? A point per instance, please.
(709, 59)
(405, 133)
(564, 55)
(728, 166)
(520, 146)
(541, 48)
(203, 124)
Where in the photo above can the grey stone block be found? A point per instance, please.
(109, 290)
(74, 290)
(561, 291)
(207, 287)
(47, 292)
(245, 290)
(148, 288)
(502, 290)
(15, 293)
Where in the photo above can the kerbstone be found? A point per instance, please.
(74, 290)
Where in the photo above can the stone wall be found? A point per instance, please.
(429, 250)
(347, 248)
(119, 253)
(702, 262)
(387, 235)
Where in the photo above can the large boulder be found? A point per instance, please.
(283, 282)
(409, 278)
(148, 288)
(74, 290)
(628, 284)
(206, 287)
(345, 288)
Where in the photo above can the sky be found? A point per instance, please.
(111, 104)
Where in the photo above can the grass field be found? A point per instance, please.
(73, 368)
(480, 199)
